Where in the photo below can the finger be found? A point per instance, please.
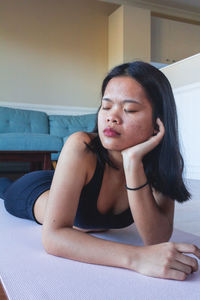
(160, 123)
(154, 140)
(187, 260)
(179, 266)
(176, 275)
(161, 126)
(158, 133)
(188, 248)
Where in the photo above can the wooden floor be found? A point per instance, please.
(2, 293)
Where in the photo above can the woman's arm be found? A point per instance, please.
(164, 260)
(152, 212)
(58, 235)
(60, 239)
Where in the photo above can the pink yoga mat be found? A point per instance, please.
(28, 273)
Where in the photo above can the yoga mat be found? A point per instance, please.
(29, 273)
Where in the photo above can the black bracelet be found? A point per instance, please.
(137, 188)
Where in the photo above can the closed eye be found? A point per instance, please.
(129, 111)
(105, 108)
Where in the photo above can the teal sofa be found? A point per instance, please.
(27, 130)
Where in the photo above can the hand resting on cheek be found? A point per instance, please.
(137, 152)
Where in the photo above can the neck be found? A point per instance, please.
(116, 158)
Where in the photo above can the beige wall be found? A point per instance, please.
(53, 52)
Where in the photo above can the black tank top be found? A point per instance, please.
(88, 216)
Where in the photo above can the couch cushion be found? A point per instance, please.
(55, 156)
(20, 120)
(64, 126)
(30, 142)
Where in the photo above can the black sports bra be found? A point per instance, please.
(88, 216)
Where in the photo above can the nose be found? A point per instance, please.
(113, 119)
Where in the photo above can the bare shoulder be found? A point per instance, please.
(73, 169)
(76, 143)
(78, 138)
(74, 154)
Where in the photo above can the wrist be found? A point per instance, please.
(135, 176)
(133, 165)
(133, 257)
(136, 188)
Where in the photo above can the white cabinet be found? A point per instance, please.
(172, 40)
(136, 35)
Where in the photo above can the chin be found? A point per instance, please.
(120, 144)
(113, 146)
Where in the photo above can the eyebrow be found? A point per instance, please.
(124, 101)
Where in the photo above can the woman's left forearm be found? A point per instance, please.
(152, 223)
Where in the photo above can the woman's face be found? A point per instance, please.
(125, 117)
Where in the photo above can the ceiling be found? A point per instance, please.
(185, 10)
(191, 5)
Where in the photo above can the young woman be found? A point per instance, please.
(129, 168)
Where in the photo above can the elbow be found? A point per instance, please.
(163, 238)
(57, 241)
(168, 234)
(49, 243)
(48, 248)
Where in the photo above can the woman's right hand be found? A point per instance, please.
(137, 152)
(167, 260)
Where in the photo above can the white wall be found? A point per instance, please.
(184, 77)
(53, 52)
(188, 108)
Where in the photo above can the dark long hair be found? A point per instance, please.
(164, 164)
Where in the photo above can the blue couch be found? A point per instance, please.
(27, 130)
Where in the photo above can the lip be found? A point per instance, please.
(110, 132)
